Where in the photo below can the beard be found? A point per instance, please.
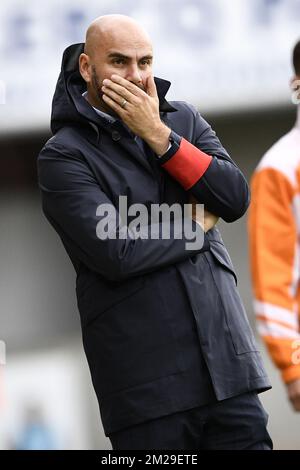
(99, 93)
(96, 84)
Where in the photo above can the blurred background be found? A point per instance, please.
(230, 59)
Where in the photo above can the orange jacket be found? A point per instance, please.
(274, 242)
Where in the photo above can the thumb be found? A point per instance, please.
(151, 87)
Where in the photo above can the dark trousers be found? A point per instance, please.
(238, 423)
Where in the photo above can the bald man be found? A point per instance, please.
(172, 357)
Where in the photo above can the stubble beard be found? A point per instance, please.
(99, 93)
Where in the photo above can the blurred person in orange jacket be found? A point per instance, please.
(274, 231)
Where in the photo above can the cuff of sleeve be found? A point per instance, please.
(291, 373)
(185, 162)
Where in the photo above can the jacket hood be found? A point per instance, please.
(68, 105)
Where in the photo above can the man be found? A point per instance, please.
(172, 357)
(274, 230)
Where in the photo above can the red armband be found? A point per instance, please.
(188, 164)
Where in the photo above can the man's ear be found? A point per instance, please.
(295, 87)
(295, 82)
(84, 67)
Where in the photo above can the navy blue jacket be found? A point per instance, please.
(163, 327)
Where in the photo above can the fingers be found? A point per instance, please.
(115, 105)
(121, 85)
(118, 89)
(117, 92)
(151, 87)
(118, 99)
(209, 219)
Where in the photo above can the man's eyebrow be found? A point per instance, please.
(149, 56)
(119, 55)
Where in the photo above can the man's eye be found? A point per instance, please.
(119, 61)
(145, 62)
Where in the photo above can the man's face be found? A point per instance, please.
(129, 57)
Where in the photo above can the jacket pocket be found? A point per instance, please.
(230, 301)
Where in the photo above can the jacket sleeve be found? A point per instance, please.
(70, 198)
(204, 168)
(274, 259)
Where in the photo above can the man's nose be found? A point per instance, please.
(134, 75)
